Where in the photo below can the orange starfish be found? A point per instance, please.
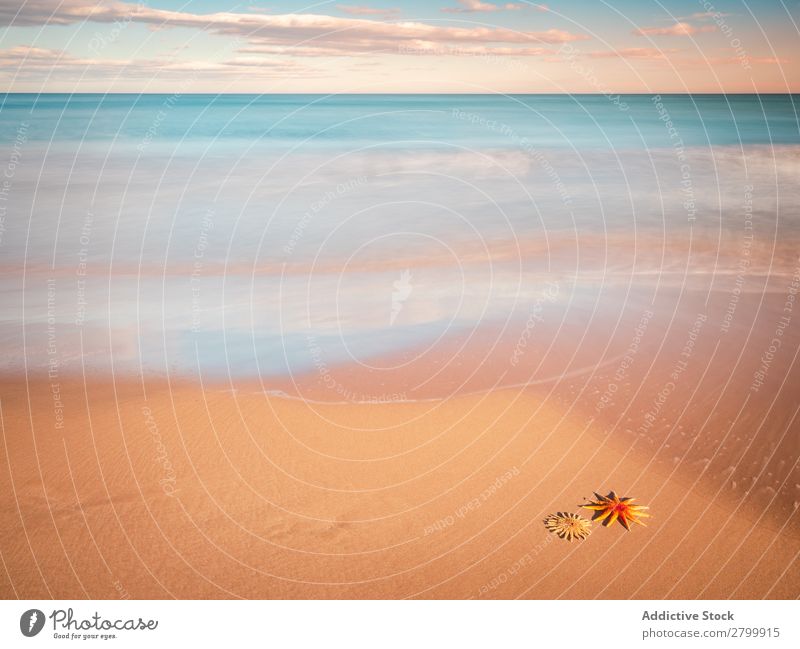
(611, 508)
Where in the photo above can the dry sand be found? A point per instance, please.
(182, 490)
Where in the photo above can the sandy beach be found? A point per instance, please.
(292, 347)
(155, 490)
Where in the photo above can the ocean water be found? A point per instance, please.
(344, 122)
(282, 236)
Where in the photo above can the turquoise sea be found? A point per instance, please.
(345, 122)
(270, 236)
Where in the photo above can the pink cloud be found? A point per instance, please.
(731, 60)
(23, 61)
(473, 6)
(649, 53)
(33, 54)
(678, 29)
(65, 12)
(479, 51)
(354, 10)
(769, 60)
(418, 48)
(705, 15)
(339, 35)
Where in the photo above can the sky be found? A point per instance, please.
(386, 46)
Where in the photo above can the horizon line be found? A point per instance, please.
(335, 94)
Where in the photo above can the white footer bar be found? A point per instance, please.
(403, 624)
